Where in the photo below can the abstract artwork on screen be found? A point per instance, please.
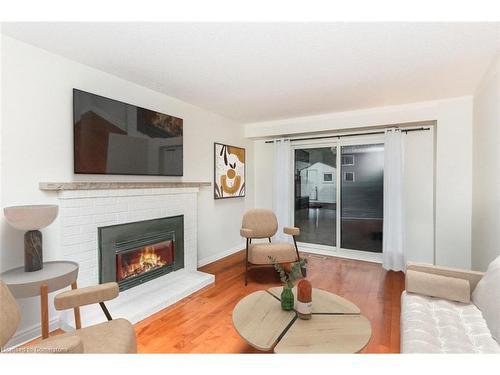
(229, 171)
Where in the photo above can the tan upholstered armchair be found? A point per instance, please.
(262, 223)
(113, 336)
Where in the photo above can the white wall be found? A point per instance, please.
(453, 182)
(486, 177)
(419, 195)
(37, 145)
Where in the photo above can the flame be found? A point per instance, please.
(148, 260)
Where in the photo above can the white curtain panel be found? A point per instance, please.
(281, 186)
(393, 247)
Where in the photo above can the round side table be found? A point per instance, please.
(53, 276)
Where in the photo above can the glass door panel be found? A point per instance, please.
(315, 182)
(362, 197)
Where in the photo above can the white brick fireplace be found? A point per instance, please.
(84, 207)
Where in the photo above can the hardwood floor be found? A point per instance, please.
(202, 322)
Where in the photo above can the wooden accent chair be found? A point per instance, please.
(262, 223)
(113, 336)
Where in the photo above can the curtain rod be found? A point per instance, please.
(352, 135)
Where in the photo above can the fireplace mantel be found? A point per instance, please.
(81, 185)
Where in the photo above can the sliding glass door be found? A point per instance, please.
(315, 203)
(338, 202)
(362, 197)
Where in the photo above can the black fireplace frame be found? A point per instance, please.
(118, 238)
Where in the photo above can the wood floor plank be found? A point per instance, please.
(201, 323)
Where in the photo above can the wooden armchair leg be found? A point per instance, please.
(76, 310)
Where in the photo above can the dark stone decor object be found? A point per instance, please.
(33, 251)
(31, 219)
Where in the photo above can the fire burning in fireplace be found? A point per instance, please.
(144, 259)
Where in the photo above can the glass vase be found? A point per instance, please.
(287, 301)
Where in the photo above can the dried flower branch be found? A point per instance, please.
(294, 274)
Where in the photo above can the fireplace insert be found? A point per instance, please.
(134, 253)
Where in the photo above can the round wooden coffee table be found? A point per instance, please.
(336, 326)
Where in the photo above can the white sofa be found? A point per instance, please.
(445, 310)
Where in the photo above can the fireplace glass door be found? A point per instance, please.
(135, 262)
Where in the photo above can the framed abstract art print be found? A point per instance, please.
(229, 171)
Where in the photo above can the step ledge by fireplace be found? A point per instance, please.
(138, 303)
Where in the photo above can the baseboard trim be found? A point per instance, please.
(216, 257)
(347, 254)
(31, 333)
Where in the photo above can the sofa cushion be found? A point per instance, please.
(56, 345)
(113, 337)
(432, 285)
(434, 325)
(486, 297)
(259, 253)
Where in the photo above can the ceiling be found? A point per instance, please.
(264, 71)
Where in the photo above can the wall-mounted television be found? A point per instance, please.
(112, 137)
